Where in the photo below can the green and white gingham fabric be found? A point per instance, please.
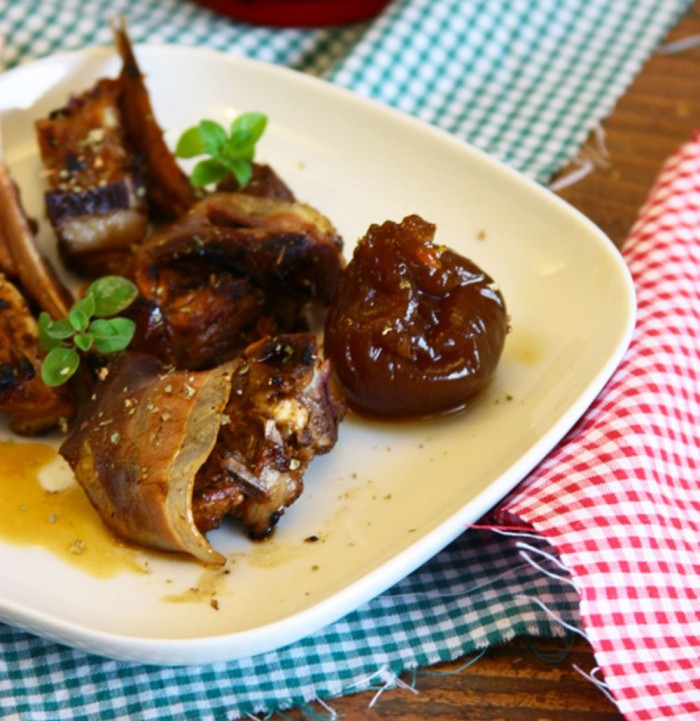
(478, 592)
(525, 80)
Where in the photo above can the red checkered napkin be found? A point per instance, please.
(620, 496)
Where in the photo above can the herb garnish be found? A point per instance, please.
(79, 332)
(229, 152)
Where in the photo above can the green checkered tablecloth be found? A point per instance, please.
(476, 593)
(525, 80)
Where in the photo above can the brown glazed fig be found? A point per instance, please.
(415, 329)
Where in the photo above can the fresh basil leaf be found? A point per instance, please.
(207, 172)
(59, 366)
(112, 335)
(190, 144)
(213, 136)
(112, 294)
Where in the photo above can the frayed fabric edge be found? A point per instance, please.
(386, 678)
(594, 154)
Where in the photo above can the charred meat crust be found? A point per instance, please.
(268, 240)
(232, 270)
(282, 413)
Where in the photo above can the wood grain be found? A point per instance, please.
(659, 112)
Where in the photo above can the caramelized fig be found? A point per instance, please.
(415, 329)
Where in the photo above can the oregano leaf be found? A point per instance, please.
(112, 294)
(112, 335)
(241, 171)
(59, 366)
(44, 323)
(231, 152)
(83, 341)
(78, 319)
(190, 144)
(85, 305)
(248, 127)
(213, 136)
(208, 171)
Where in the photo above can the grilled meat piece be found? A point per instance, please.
(138, 444)
(20, 259)
(96, 197)
(282, 412)
(234, 268)
(32, 407)
(170, 192)
(163, 455)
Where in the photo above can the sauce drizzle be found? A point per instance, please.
(62, 521)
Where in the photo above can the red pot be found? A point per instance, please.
(297, 13)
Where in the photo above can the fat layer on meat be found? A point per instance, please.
(96, 195)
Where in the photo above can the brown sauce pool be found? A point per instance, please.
(62, 521)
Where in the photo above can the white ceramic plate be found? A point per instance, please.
(389, 496)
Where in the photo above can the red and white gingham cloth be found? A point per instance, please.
(620, 497)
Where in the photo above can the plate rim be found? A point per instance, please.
(161, 650)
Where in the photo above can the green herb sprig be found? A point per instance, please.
(64, 338)
(231, 152)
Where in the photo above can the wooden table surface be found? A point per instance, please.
(512, 682)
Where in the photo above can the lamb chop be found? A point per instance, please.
(151, 437)
(109, 169)
(137, 444)
(20, 259)
(32, 407)
(170, 192)
(26, 276)
(96, 197)
(236, 267)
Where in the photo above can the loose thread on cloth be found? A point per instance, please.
(591, 156)
(679, 46)
(525, 549)
(390, 679)
(598, 683)
(552, 657)
(504, 530)
(552, 615)
(450, 672)
(309, 713)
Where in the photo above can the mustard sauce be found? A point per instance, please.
(61, 521)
